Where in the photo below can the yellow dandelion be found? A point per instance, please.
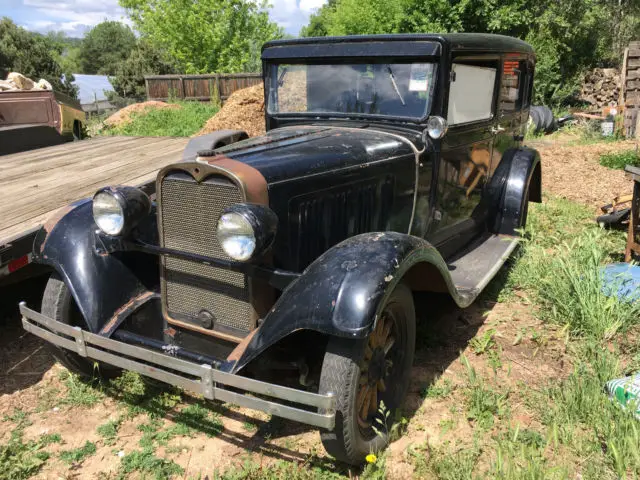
(371, 458)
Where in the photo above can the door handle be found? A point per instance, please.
(496, 130)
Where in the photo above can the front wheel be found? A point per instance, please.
(58, 303)
(362, 374)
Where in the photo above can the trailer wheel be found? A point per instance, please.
(361, 374)
(58, 303)
(77, 131)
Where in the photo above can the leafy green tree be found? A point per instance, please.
(105, 46)
(32, 55)
(206, 36)
(128, 81)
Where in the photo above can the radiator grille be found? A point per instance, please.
(190, 213)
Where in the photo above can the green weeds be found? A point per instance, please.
(621, 159)
(77, 455)
(184, 121)
(148, 465)
(19, 459)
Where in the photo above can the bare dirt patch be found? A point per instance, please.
(573, 172)
(123, 116)
(243, 110)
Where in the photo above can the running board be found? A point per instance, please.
(481, 261)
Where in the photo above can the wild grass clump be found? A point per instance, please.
(167, 122)
(560, 265)
(621, 159)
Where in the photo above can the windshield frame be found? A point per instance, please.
(270, 69)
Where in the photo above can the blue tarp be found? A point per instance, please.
(622, 280)
(92, 87)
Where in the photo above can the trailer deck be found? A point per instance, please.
(35, 184)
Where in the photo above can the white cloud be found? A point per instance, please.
(292, 15)
(75, 17)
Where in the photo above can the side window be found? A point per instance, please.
(471, 93)
(514, 92)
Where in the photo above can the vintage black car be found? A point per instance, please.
(277, 272)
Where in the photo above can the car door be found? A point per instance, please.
(465, 157)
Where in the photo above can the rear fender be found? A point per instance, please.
(101, 284)
(516, 181)
(341, 293)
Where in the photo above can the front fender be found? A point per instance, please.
(341, 292)
(100, 283)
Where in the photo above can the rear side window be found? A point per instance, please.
(513, 89)
(471, 93)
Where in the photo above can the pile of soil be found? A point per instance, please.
(123, 116)
(243, 110)
(574, 172)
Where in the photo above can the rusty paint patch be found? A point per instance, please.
(237, 352)
(56, 216)
(254, 182)
(124, 310)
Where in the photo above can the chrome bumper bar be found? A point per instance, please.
(200, 379)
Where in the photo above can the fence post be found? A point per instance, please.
(146, 87)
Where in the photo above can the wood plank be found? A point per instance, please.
(25, 207)
(70, 184)
(80, 162)
(128, 161)
(44, 154)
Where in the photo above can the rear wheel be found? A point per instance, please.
(58, 303)
(362, 374)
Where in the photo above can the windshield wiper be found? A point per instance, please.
(395, 85)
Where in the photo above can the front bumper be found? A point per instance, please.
(200, 379)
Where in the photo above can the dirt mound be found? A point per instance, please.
(243, 110)
(574, 172)
(123, 115)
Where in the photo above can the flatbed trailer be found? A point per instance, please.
(35, 184)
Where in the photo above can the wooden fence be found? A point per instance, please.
(198, 87)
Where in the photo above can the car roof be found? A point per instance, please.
(480, 42)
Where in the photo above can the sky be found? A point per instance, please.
(75, 17)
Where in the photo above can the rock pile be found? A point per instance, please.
(601, 87)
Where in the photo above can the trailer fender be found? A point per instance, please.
(341, 292)
(100, 283)
(517, 180)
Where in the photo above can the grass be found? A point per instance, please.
(621, 159)
(579, 430)
(171, 122)
(77, 455)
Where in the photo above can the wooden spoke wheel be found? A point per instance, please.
(364, 373)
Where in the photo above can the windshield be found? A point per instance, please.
(389, 89)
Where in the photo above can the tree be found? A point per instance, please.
(128, 81)
(32, 55)
(105, 46)
(206, 36)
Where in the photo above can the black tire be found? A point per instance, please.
(547, 118)
(57, 303)
(536, 122)
(77, 131)
(353, 439)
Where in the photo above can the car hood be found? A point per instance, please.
(289, 153)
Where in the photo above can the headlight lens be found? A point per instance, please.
(437, 127)
(108, 213)
(236, 235)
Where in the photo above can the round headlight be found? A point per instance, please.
(116, 210)
(436, 127)
(237, 236)
(108, 213)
